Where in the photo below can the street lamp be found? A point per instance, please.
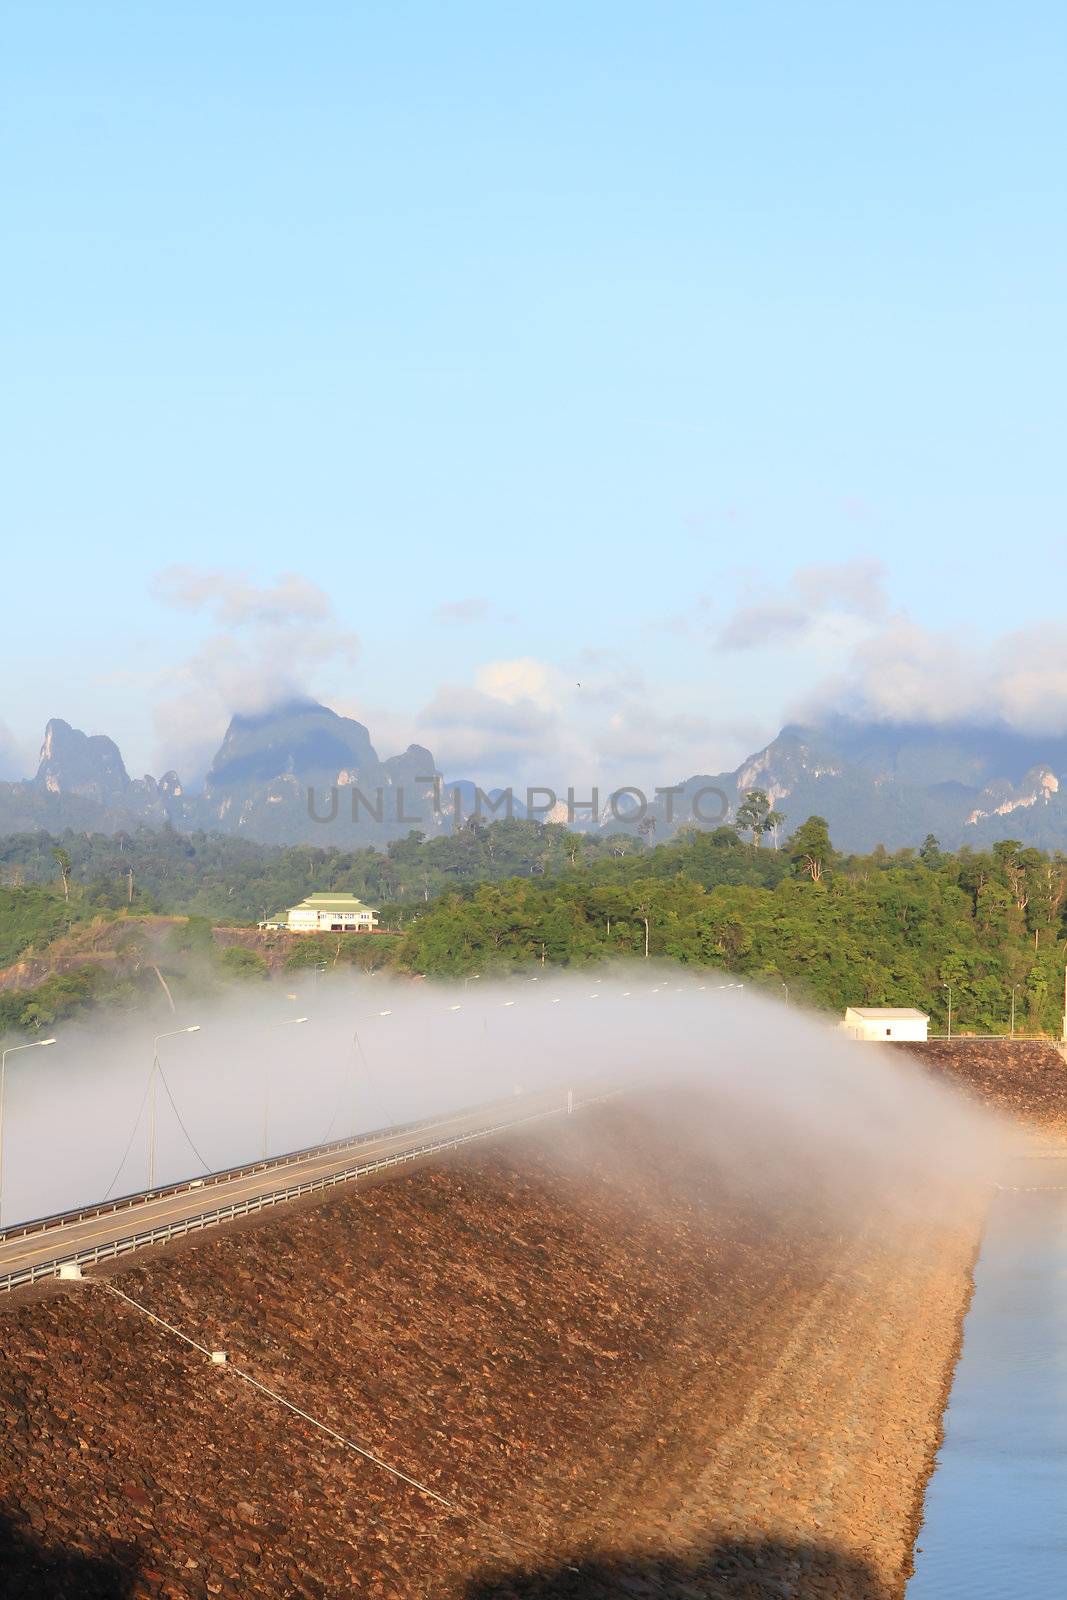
(948, 986)
(10, 1051)
(286, 1022)
(172, 1034)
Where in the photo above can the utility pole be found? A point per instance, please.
(1013, 989)
(10, 1051)
(948, 986)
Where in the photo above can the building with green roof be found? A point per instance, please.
(326, 913)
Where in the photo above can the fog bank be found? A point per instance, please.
(376, 1051)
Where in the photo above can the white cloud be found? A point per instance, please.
(638, 736)
(16, 759)
(525, 678)
(468, 728)
(234, 601)
(771, 622)
(272, 641)
(812, 596)
(907, 673)
(595, 723)
(856, 587)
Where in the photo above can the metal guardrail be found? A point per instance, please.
(140, 1239)
(106, 1208)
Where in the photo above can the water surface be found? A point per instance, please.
(995, 1523)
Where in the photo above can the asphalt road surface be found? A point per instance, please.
(31, 1251)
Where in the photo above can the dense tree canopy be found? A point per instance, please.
(237, 880)
(904, 929)
(863, 930)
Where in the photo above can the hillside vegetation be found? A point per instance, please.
(865, 930)
(236, 880)
(910, 928)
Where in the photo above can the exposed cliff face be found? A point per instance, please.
(302, 738)
(75, 763)
(875, 784)
(258, 784)
(610, 1353)
(1039, 787)
(894, 784)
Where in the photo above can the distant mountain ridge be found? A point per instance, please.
(892, 784)
(258, 784)
(875, 783)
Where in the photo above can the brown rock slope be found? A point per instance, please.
(619, 1358)
(1024, 1078)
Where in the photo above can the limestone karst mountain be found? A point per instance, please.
(302, 773)
(892, 784)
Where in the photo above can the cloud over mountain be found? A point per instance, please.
(811, 595)
(507, 715)
(907, 673)
(268, 645)
(885, 666)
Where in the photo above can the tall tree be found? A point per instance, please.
(62, 860)
(810, 850)
(755, 816)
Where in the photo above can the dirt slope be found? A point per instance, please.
(617, 1359)
(1024, 1078)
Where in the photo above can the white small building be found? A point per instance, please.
(326, 913)
(886, 1022)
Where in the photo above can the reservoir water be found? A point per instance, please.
(995, 1518)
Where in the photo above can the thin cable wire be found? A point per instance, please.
(181, 1124)
(329, 1126)
(375, 1090)
(133, 1135)
(507, 1540)
(389, 1118)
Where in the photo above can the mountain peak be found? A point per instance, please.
(299, 736)
(76, 763)
(299, 705)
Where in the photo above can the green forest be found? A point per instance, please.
(910, 928)
(236, 880)
(984, 931)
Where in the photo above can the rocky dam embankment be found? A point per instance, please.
(629, 1366)
(1024, 1079)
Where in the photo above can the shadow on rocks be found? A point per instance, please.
(732, 1570)
(33, 1570)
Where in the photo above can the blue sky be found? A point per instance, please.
(521, 348)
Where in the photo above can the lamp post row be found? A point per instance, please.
(11, 1050)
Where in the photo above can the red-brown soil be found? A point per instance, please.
(116, 944)
(1023, 1078)
(619, 1358)
(124, 944)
